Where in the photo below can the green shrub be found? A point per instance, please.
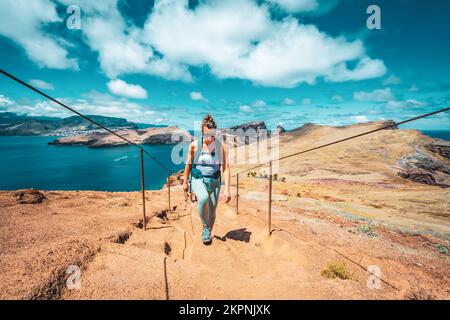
(367, 229)
(441, 248)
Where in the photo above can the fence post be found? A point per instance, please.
(144, 222)
(237, 193)
(168, 187)
(270, 197)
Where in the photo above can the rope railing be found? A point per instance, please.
(270, 162)
(142, 150)
(395, 124)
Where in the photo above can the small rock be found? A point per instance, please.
(280, 129)
(29, 196)
(174, 216)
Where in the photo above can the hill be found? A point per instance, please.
(23, 125)
(339, 214)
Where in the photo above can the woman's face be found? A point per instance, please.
(209, 134)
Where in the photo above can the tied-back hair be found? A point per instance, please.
(209, 122)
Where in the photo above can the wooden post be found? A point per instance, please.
(237, 193)
(168, 186)
(144, 222)
(270, 197)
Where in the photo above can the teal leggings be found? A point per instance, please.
(207, 191)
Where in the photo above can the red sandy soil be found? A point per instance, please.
(40, 241)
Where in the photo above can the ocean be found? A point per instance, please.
(28, 162)
(440, 134)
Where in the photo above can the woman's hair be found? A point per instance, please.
(209, 122)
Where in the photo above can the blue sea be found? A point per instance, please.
(440, 134)
(28, 162)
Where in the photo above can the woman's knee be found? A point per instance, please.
(202, 199)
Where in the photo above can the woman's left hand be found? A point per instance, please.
(226, 196)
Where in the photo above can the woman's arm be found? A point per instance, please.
(187, 168)
(226, 174)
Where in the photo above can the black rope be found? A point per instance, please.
(348, 138)
(81, 115)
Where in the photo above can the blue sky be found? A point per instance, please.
(284, 62)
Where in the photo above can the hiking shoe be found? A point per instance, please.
(206, 235)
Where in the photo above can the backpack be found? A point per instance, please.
(196, 173)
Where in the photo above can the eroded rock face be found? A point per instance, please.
(420, 177)
(246, 133)
(29, 196)
(425, 167)
(443, 149)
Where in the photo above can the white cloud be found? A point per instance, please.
(365, 69)
(234, 39)
(22, 21)
(197, 96)
(245, 108)
(359, 118)
(406, 104)
(306, 102)
(413, 88)
(259, 104)
(119, 44)
(121, 88)
(5, 101)
(288, 101)
(238, 39)
(41, 84)
(308, 6)
(338, 98)
(392, 79)
(297, 5)
(375, 95)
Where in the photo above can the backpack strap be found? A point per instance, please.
(198, 152)
(218, 151)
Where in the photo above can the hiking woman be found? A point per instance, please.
(206, 166)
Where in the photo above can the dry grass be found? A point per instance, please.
(337, 270)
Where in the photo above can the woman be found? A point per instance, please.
(206, 165)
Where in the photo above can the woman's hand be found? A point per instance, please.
(226, 196)
(185, 186)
